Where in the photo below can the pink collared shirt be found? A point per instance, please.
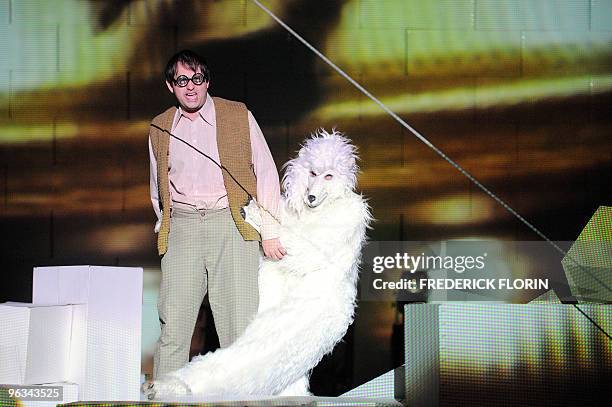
(195, 181)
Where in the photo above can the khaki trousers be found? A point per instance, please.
(206, 253)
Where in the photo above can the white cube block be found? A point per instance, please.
(111, 333)
(35, 343)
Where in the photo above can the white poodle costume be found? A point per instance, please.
(307, 299)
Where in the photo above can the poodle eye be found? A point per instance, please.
(329, 176)
(313, 174)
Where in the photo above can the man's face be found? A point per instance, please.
(191, 97)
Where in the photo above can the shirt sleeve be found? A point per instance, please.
(153, 186)
(268, 185)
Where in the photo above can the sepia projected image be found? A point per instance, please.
(518, 93)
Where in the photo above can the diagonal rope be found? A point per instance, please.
(408, 127)
(430, 145)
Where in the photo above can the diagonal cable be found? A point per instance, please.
(408, 126)
(429, 144)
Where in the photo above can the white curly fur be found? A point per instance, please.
(307, 299)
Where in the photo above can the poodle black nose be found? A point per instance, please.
(311, 198)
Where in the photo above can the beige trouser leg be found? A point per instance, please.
(205, 253)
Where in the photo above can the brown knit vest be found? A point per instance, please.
(234, 144)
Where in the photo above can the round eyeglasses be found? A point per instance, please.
(197, 79)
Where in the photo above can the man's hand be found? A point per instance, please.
(273, 249)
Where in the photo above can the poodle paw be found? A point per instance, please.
(164, 388)
(252, 215)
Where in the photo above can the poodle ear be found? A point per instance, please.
(295, 183)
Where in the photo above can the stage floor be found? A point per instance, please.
(278, 401)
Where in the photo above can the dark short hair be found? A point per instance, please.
(189, 59)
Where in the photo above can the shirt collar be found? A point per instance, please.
(207, 112)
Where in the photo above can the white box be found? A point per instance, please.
(109, 368)
(492, 354)
(35, 343)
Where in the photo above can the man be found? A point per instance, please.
(205, 243)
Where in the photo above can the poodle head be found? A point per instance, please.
(324, 170)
